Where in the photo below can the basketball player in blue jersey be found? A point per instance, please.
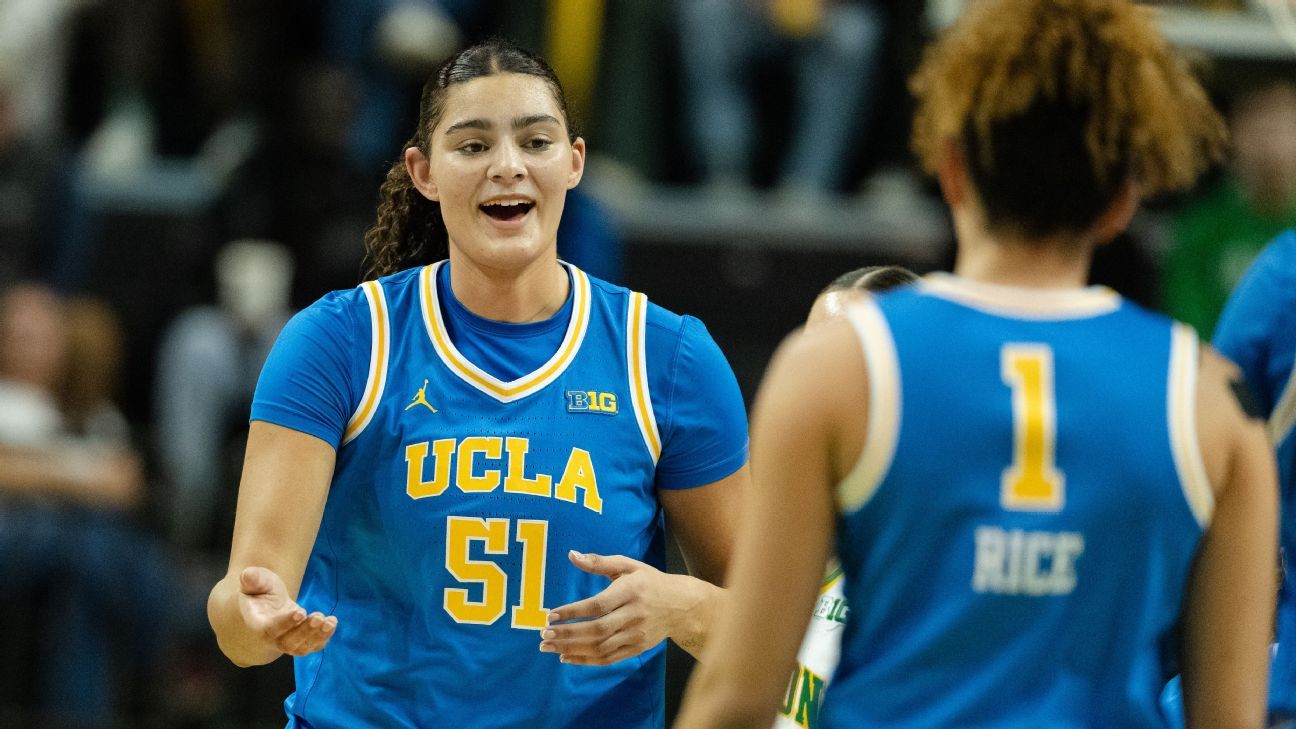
(1258, 331)
(449, 460)
(1046, 499)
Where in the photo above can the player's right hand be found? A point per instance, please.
(269, 612)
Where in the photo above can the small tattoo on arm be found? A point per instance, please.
(1246, 399)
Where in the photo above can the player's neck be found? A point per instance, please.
(534, 293)
(1060, 262)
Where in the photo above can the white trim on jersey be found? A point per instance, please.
(884, 407)
(485, 382)
(379, 354)
(1181, 403)
(637, 365)
(1022, 303)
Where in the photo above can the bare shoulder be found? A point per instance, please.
(816, 388)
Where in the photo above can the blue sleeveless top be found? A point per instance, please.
(1018, 531)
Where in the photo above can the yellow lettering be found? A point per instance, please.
(467, 480)
(580, 474)
(415, 486)
(1032, 482)
(515, 481)
(461, 531)
(530, 612)
(607, 402)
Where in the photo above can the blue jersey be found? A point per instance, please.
(1019, 528)
(1258, 331)
(462, 481)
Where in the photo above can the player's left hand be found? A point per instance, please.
(642, 607)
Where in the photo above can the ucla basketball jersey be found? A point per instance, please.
(456, 499)
(1018, 530)
(1258, 331)
(817, 658)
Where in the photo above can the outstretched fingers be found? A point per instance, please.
(309, 635)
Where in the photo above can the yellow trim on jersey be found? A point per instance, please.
(1181, 398)
(1283, 418)
(636, 359)
(1022, 303)
(831, 579)
(379, 351)
(883, 407)
(485, 382)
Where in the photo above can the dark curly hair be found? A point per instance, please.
(409, 230)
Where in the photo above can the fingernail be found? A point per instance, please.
(299, 615)
(563, 659)
(548, 648)
(576, 554)
(548, 634)
(552, 618)
(328, 627)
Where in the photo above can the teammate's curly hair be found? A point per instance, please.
(1057, 103)
(409, 230)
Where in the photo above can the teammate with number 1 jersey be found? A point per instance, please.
(1046, 499)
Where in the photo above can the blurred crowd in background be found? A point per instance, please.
(177, 177)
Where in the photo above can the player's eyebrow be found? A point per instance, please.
(521, 122)
(481, 124)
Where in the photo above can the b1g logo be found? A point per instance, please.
(591, 401)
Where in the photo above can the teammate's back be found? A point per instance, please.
(1046, 499)
(1030, 541)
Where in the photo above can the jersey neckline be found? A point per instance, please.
(491, 327)
(464, 369)
(1021, 302)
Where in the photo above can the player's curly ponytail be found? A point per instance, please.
(1057, 103)
(409, 230)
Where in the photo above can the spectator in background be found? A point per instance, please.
(208, 364)
(34, 39)
(833, 45)
(95, 589)
(1217, 237)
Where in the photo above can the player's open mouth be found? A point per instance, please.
(507, 210)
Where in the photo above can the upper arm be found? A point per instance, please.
(800, 426)
(701, 476)
(704, 520)
(1232, 587)
(286, 476)
(304, 398)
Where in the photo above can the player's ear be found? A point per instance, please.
(420, 172)
(1116, 218)
(578, 163)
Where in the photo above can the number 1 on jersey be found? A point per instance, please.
(1032, 482)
